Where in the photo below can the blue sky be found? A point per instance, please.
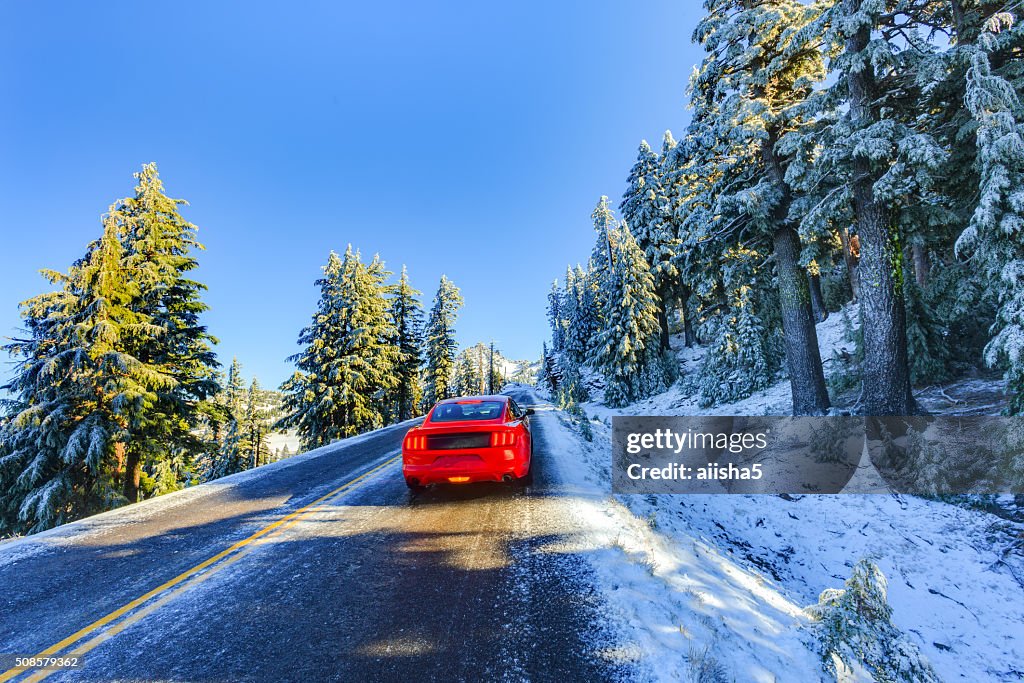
(469, 139)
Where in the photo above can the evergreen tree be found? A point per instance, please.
(231, 456)
(869, 148)
(627, 349)
(995, 236)
(440, 343)
(542, 366)
(645, 208)
(158, 249)
(574, 344)
(759, 72)
(603, 256)
(555, 318)
(347, 366)
(256, 427)
(745, 355)
(79, 396)
(494, 378)
(407, 320)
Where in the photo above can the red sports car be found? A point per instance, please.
(477, 438)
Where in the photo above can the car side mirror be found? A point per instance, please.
(529, 411)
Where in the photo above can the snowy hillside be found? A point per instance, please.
(741, 567)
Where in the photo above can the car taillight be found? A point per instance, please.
(502, 439)
(414, 442)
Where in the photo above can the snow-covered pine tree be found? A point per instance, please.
(582, 319)
(745, 355)
(310, 392)
(466, 378)
(645, 208)
(542, 367)
(407, 320)
(995, 236)
(576, 345)
(78, 395)
(627, 350)
(555, 319)
(365, 358)
(231, 452)
(871, 151)
(682, 187)
(760, 70)
(257, 449)
(854, 625)
(602, 259)
(441, 346)
(158, 250)
(347, 366)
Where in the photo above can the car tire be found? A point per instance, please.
(415, 488)
(527, 479)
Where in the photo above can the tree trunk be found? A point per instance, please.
(663, 319)
(851, 262)
(803, 359)
(817, 298)
(684, 305)
(885, 369)
(133, 476)
(119, 464)
(922, 264)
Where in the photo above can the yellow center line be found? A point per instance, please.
(278, 525)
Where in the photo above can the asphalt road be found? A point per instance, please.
(471, 583)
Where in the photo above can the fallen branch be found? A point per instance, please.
(954, 401)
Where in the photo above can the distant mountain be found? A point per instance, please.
(509, 370)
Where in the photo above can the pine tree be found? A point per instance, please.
(745, 355)
(493, 374)
(465, 378)
(995, 236)
(574, 344)
(645, 208)
(441, 345)
(555, 319)
(79, 397)
(158, 246)
(347, 367)
(365, 361)
(542, 366)
(231, 456)
(627, 349)
(257, 450)
(759, 72)
(877, 162)
(407, 320)
(603, 256)
(310, 391)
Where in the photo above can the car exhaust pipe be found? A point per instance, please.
(507, 478)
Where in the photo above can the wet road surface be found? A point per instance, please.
(471, 583)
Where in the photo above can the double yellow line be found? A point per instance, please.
(180, 583)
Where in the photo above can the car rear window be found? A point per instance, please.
(458, 412)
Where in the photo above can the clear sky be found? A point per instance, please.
(471, 139)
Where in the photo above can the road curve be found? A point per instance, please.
(356, 579)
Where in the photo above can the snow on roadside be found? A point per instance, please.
(954, 589)
(694, 613)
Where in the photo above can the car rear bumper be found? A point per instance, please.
(442, 467)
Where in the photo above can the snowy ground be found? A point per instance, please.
(692, 612)
(726, 576)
